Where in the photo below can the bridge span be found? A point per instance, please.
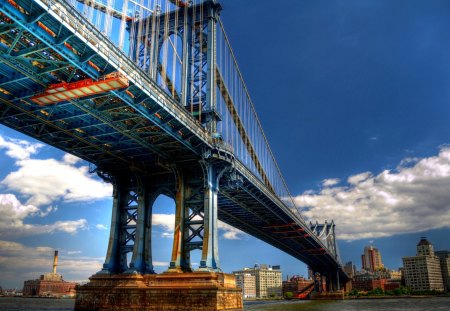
(150, 92)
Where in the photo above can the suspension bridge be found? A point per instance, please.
(150, 92)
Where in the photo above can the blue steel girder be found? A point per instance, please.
(32, 73)
(30, 23)
(8, 109)
(245, 224)
(31, 50)
(170, 126)
(245, 221)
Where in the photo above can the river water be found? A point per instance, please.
(402, 304)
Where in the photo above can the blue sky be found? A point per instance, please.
(354, 99)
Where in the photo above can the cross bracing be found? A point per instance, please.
(153, 122)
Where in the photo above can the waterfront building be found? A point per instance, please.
(268, 280)
(444, 258)
(395, 275)
(371, 259)
(247, 282)
(350, 269)
(49, 284)
(423, 272)
(298, 286)
(370, 281)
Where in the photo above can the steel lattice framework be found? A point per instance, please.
(156, 135)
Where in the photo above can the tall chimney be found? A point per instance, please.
(55, 261)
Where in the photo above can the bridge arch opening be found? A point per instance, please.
(162, 227)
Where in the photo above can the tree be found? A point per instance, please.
(288, 295)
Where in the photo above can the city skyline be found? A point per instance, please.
(344, 126)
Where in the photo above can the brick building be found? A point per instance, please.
(297, 285)
(49, 284)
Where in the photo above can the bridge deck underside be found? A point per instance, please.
(117, 127)
(246, 209)
(125, 127)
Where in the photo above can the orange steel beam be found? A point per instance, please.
(66, 91)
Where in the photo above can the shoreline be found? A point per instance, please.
(396, 297)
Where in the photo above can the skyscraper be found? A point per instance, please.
(350, 269)
(423, 272)
(444, 257)
(371, 259)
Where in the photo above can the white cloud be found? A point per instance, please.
(356, 179)
(19, 149)
(167, 221)
(101, 227)
(14, 213)
(412, 198)
(330, 182)
(46, 181)
(230, 232)
(15, 265)
(73, 252)
(71, 159)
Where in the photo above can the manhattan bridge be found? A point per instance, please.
(150, 93)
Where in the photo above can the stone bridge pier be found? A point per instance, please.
(128, 281)
(327, 286)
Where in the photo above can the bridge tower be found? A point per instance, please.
(327, 283)
(127, 280)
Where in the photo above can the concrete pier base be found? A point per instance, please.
(195, 291)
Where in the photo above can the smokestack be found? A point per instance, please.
(55, 261)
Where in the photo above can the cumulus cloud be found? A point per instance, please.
(44, 181)
(412, 198)
(230, 232)
(167, 222)
(49, 180)
(101, 227)
(330, 182)
(19, 149)
(15, 265)
(14, 214)
(73, 252)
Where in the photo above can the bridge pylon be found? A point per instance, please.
(128, 274)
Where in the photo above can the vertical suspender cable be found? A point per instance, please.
(146, 19)
(153, 41)
(200, 71)
(123, 22)
(192, 67)
(175, 52)
(165, 47)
